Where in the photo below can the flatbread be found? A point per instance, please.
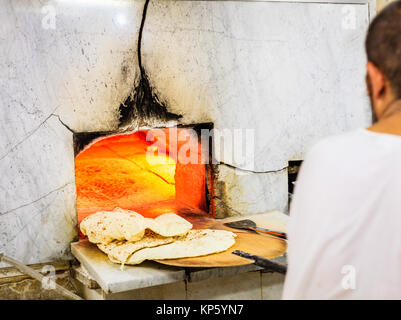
(120, 251)
(106, 226)
(119, 225)
(195, 243)
(169, 225)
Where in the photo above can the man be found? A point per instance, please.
(345, 220)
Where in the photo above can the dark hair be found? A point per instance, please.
(383, 44)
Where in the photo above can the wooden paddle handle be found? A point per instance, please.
(281, 235)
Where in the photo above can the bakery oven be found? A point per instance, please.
(105, 101)
(151, 171)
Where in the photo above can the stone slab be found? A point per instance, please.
(110, 277)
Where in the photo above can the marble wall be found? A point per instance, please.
(65, 65)
(292, 72)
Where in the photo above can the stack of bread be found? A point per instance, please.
(129, 238)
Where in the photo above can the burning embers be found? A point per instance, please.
(151, 172)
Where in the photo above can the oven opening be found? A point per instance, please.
(293, 170)
(149, 171)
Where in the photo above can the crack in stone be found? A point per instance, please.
(251, 171)
(15, 235)
(30, 134)
(61, 121)
(139, 45)
(25, 138)
(32, 202)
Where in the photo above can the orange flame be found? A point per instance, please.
(130, 172)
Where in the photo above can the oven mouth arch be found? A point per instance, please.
(112, 170)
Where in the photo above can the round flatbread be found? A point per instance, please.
(106, 226)
(120, 251)
(118, 225)
(169, 225)
(195, 243)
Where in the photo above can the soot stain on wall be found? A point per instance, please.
(143, 105)
(141, 108)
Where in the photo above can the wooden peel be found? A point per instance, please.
(261, 245)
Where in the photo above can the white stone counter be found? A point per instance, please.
(112, 279)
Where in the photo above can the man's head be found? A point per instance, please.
(383, 48)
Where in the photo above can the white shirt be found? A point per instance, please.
(344, 232)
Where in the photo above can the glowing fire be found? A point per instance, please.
(130, 172)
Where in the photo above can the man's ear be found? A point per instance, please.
(377, 80)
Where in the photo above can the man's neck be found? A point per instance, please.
(390, 122)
